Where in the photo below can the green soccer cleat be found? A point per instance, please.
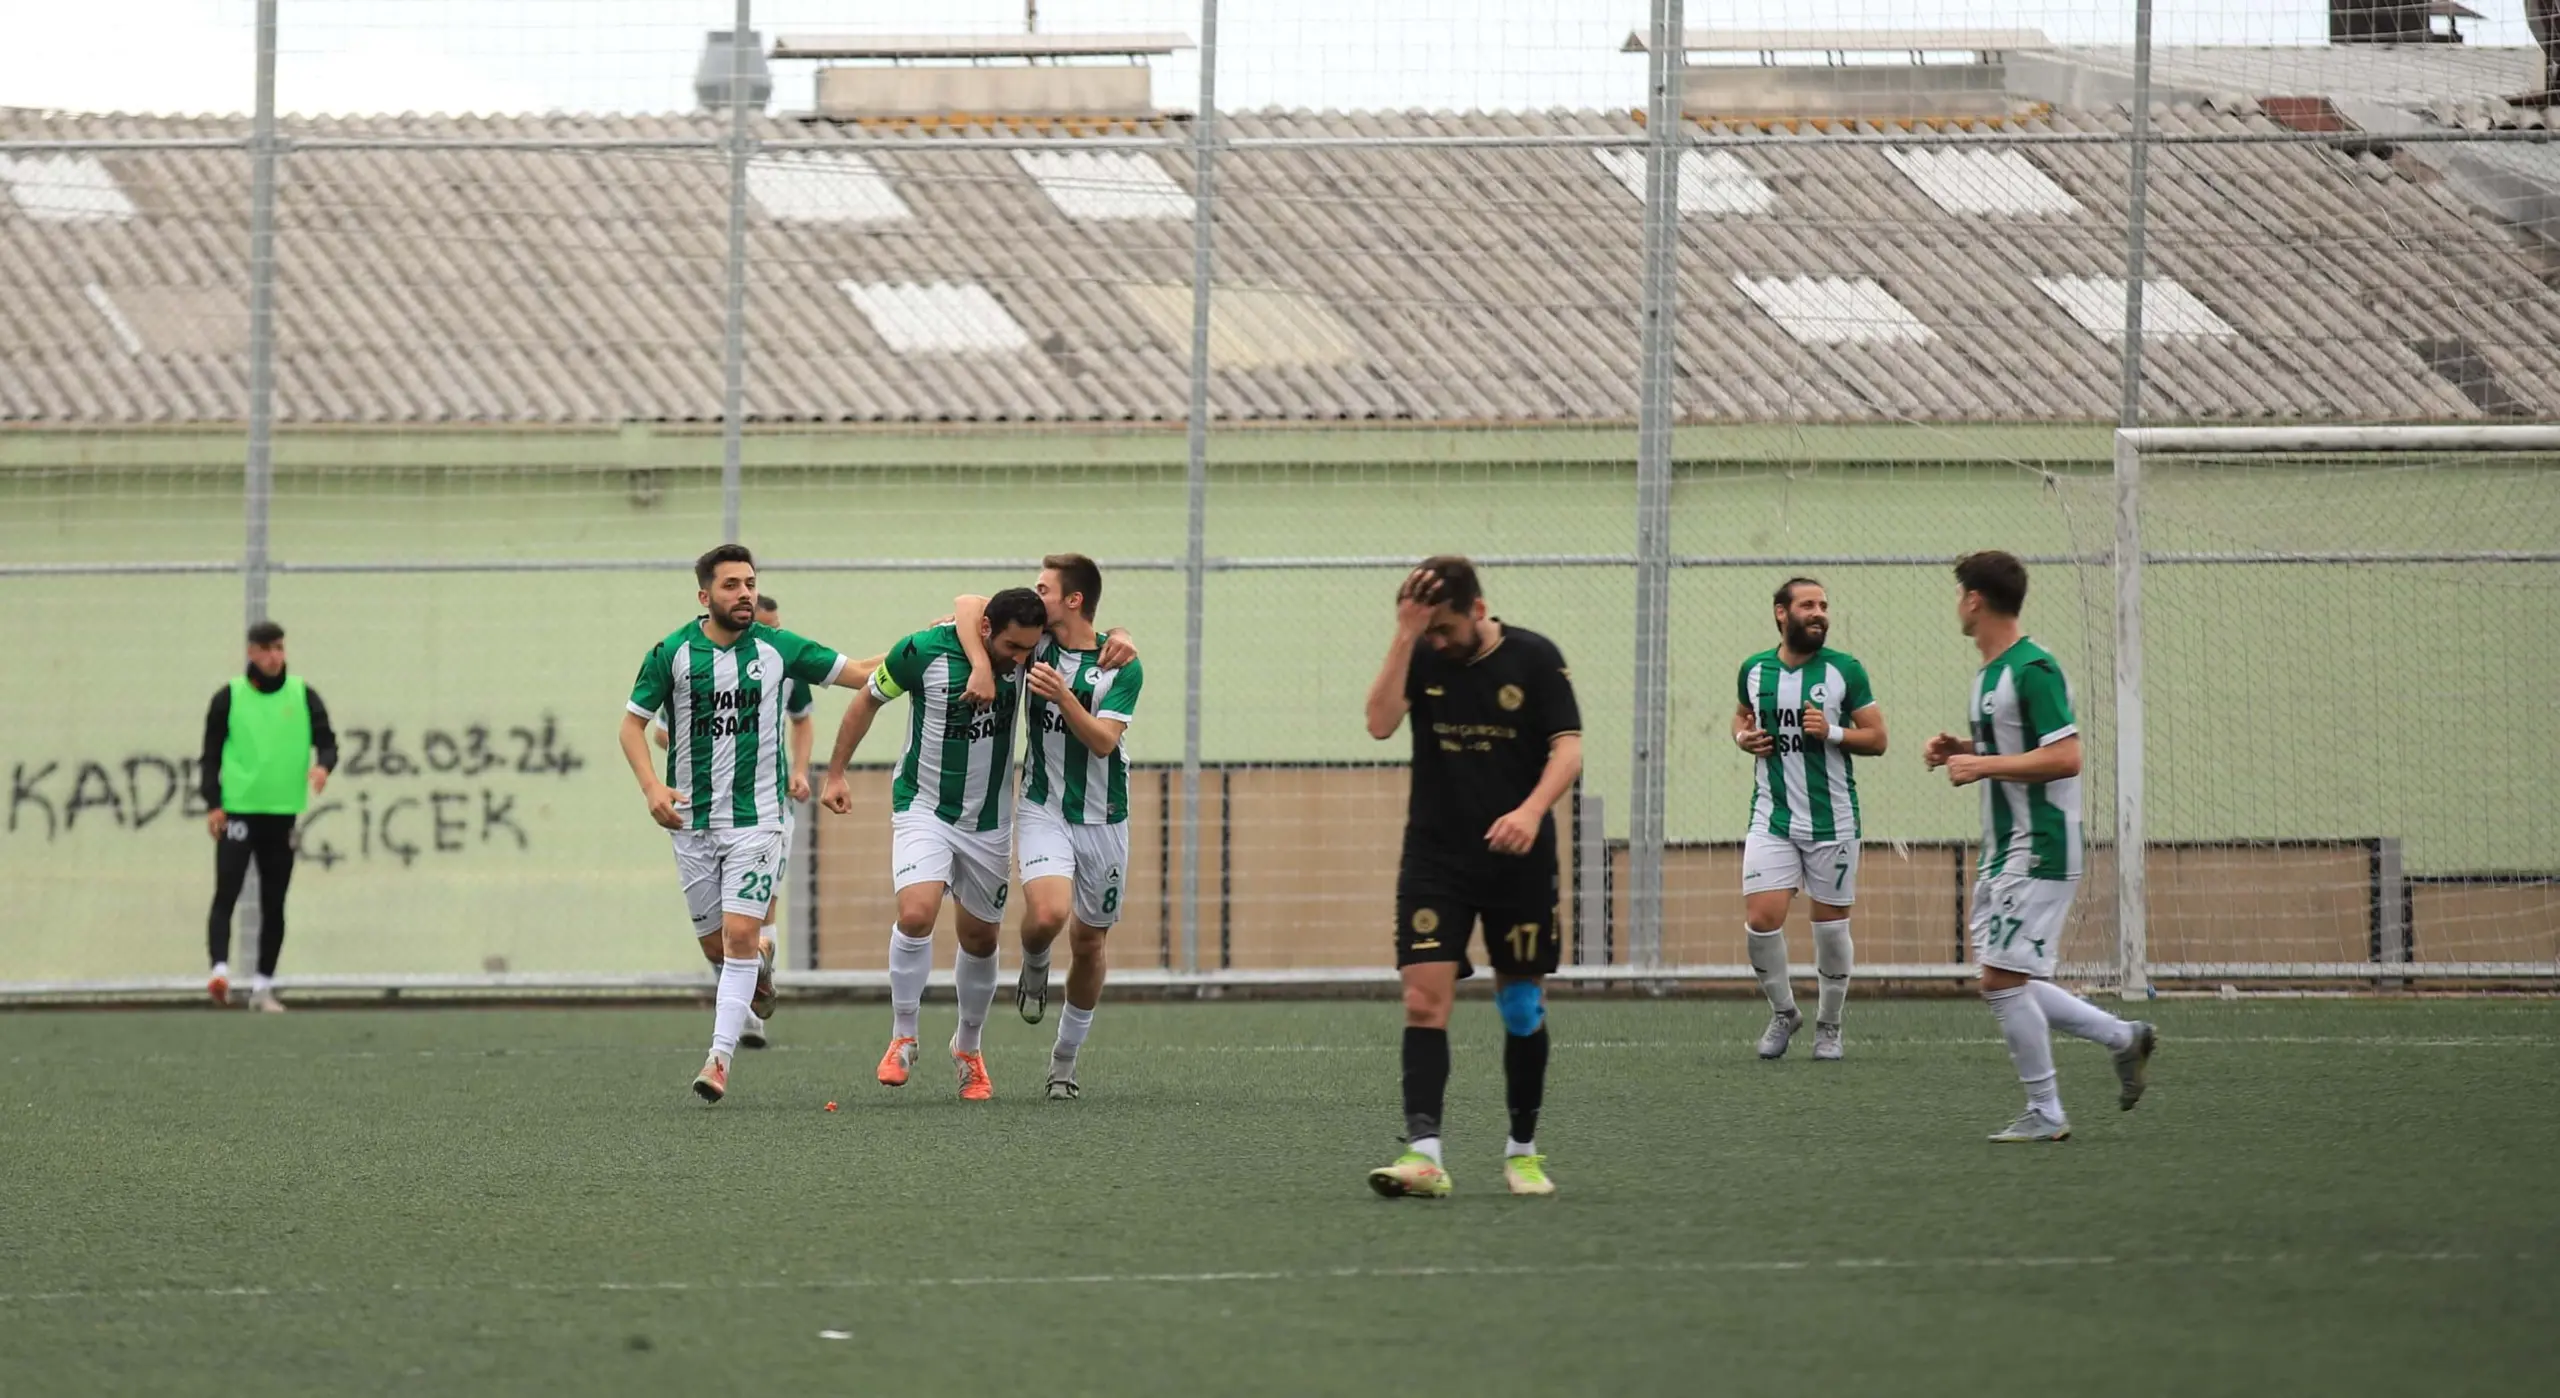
(1527, 1174)
(1414, 1174)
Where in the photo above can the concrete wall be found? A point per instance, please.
(484, 819)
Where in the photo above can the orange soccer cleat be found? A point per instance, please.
(712, 1083)
(895, 1063)
(974, 1084)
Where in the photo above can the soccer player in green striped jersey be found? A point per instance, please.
(798, 700)
(948, 818)
(1802, 710)
(2024, 752)
(722, 680)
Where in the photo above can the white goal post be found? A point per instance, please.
(2133, 557)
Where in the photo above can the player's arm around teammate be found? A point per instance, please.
(968, 609)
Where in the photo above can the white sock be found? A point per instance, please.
(729, 1015)
(910, 966)
(1072, 1027)
(1511, 1148)
(1038, 960)
(222, 969)
(1769, 962)
(1428, 1145)
(2078, 1018)
(261, 985)
(2030, 1046)
(1832, 957)
(976, 978)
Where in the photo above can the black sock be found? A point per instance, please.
(1524, 1081)
(1426, 1080)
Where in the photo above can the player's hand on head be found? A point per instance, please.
(981, 688)
(1417, 599)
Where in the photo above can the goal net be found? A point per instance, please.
(2347, 653)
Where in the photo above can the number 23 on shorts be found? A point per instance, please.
(757, 888)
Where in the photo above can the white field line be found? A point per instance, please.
(1300, 1275)
(2168, 1040)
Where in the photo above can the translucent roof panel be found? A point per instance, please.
(1251, 327)
(823, 187)
(2168, 309)
(65, 189)
(1711, 182)
(1836, 310)
(1106, 184)
(1975, 181)
(938, 317)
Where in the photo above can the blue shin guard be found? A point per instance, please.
(1524, 1007)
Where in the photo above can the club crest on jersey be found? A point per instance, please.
(755, 670)
(1990, 705)
(1509, 697)
(1813, 697)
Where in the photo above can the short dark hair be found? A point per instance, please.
(1017, 606)
(766, 605)
(707, 566)
(265, 633)
(1998, 576)
(1077, 573)
(1457, 586)
(1786, 594)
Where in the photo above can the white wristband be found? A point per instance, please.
(1834, 734)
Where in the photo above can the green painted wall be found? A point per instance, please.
(2286, 701)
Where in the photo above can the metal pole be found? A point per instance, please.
(262, 315)
(2132, 875)
(733, 332)
(1195, 563)
(1645, 807)
(2129, 412)
(259, 485)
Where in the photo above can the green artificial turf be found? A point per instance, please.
(2320, 1197)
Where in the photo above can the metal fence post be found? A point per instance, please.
(733, 332)
(2132, 850)
(2132, 875)
(1195, 562)
(259, 478)
(1645, 815)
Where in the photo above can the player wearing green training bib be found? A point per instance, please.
(1803, 710)
(947, 814)
(722, 681)
(2024, 751)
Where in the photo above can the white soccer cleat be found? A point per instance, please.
(1031, 992)
(753, 1035)
(1781, 1032)
(1062, 1080)
(1826, 1043)
(2032, 1125)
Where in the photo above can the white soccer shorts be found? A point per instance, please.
(924, 848)
(2018, 922)
(1095, 856)
(729, 871)
(1825, 869)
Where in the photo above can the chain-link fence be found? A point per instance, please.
(1645, 322)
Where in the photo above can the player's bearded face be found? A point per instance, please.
(732, 599)
(1454, 634)
(1013, 645)
(1806, 631)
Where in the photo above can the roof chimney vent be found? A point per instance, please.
(731, 72)
(926, 76)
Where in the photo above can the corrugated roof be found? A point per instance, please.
(2400, 74)
(1456, 282)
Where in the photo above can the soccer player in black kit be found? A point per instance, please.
(1497, 740)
